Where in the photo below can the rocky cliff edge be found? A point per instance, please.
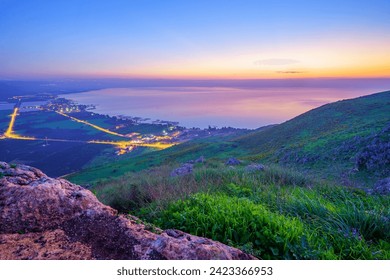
(46, 218)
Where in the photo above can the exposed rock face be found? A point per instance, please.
(186, 168)
(45, 218)
(48, 245)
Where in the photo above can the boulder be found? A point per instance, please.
(233, 161)
(46, 218)
(186, 168)
(254, 167)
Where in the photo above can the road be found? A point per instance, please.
(121, 145)
(92, 125)
(9, 133)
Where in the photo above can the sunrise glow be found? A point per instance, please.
(198, 39)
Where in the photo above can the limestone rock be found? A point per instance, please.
(48, 245)
(45, 218)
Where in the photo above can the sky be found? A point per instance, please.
(195, 39)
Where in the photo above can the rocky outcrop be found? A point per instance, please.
(185, 169)
(45, 218)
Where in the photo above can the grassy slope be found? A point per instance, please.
(276, 213)
(327, 139)
(325, 142)
(273, 214)
(216, 147)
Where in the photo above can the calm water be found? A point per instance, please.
(203, 106)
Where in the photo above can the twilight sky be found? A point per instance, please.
(194, 39)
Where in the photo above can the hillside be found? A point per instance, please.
(216, 147)
(345, 140)
(281, 192)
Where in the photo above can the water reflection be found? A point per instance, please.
(203, 106)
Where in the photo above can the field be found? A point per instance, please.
(60, 158)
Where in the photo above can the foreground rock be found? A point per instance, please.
(45, 218)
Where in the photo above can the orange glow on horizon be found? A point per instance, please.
(369, 72)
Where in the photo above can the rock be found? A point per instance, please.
(186, 168)
(254, 167)
(48, 245)
(201, 159)
(233, 161)
(45, 218)
(382, 187)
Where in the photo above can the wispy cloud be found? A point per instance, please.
(289, 72)
(275, 61)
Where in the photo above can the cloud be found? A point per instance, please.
(275, 61)
(289, 72)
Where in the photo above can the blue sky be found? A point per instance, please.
(174, 39)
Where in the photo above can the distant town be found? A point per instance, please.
(169, 135)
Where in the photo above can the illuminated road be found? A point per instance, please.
(92, 125)
(9, 133)
(123, 146)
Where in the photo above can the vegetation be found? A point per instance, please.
(219, 147)
(340, 141)
(273, 214)
(346, 142)
(307, 203)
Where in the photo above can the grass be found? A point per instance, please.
(333, 142)
(148, 159)
(274, 214)
(326, 140)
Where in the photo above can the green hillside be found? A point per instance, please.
(345, 140)
(299, 205)
(215, 147)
